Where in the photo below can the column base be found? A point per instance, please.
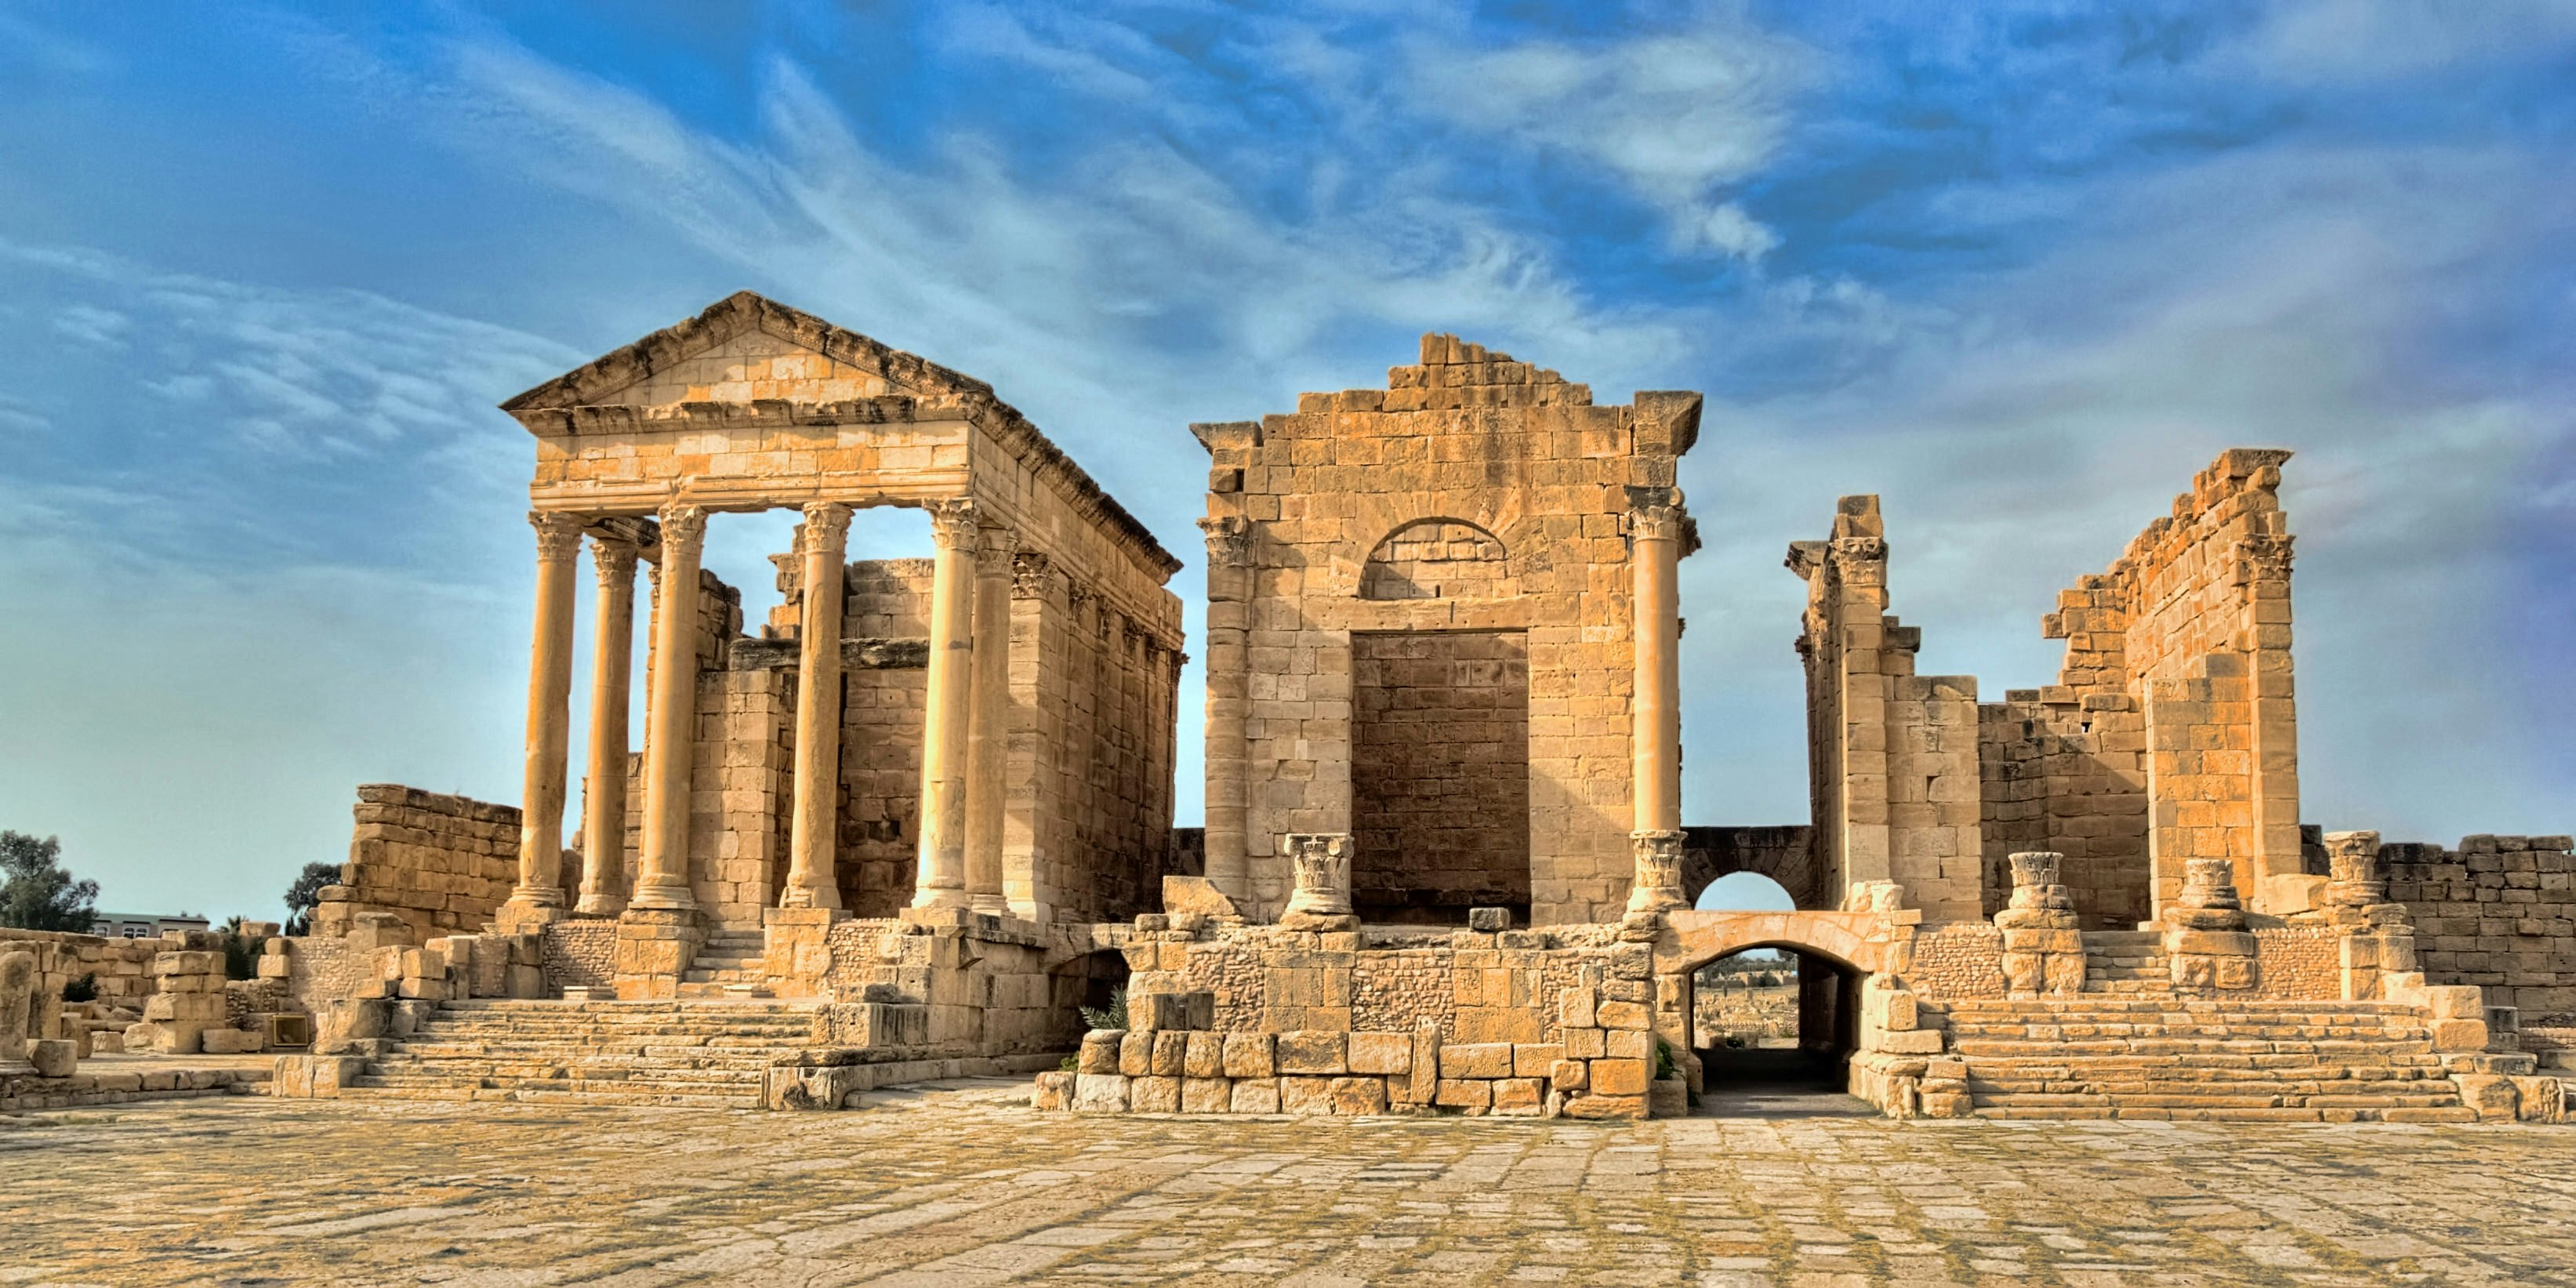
(944, 898)
(797, 950)
(654, 949)
(662, 899)
(528, 911)
(802, 899)
(991, 904)
(605, 905)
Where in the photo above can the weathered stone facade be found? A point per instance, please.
(1481, 518)
(1444, 867)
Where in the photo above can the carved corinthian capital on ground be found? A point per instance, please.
(1322, 898)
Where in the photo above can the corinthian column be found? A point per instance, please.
(940, 869)
(1655, 721)
(603, 804)
(989, 733)
(812, 881)
(670, 739)
(541, 808)
(1229, 588)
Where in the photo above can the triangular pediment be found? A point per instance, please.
(745, 348)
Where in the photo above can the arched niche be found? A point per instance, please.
(1437, 558)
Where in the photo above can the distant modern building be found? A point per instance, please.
(143, 925)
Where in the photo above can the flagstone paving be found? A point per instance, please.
(964, 1186)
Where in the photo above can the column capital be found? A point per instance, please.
(1656, 522)
(826, 520)
(953, 524)
(558, 533)
(1229, 540)
(684, 526)
(614, 561)
(994, 556)
(1029, 574)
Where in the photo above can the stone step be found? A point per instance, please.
(2152, 1091)
(2241, 1006)
(2306, 1114)
(557, 1096)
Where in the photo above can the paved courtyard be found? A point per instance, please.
(964, 1186)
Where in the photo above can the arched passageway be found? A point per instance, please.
(1770, 1006)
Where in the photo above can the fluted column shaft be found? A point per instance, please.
(541, 800)
(989, 730)
(670, 740)
(603, 802)
(940, 869)
(813, 880)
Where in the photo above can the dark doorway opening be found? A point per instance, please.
(1773, 1029)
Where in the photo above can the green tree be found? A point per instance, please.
(306, 895)
(241, 951)
(39, 894)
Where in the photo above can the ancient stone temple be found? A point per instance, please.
(920, 824)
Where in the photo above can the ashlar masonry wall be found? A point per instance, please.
(1893, 755)
(441, 863)
(2498, 911)
(1474, 493)
(2172, 731)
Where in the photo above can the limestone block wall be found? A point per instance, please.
(883, 714)
(579, 954)
(1473, 493)
(2064, 772)
(2497, 911)
(1962, 960)
(441, 863)
(1893, 756)
(988, 991)
(1440, 774)
(740, 786)
(120, 968)
(1507, 1022)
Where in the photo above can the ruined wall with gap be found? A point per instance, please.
(1474, 492)
(2499, 911)
(1894, 755)
(1439, 774)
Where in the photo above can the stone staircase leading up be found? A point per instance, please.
(2109, 1056)
(709, 1054)
(2126, 961)
(729, 964)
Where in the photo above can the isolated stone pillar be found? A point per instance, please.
(603, 803)
(813, 879)
(989, 730)
(541, 801)
(1229, 590)
(1655, 721)
(1322, 898)
(2206, 936)
(2378, 932)
(670, 740)
(17, 1002)
(941, 867)
(2043, 948)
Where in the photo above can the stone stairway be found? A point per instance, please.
(2110, 1056)
(730, 964)
(2125, 961)
(710, 1054)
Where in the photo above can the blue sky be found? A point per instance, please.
(2021, 268)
